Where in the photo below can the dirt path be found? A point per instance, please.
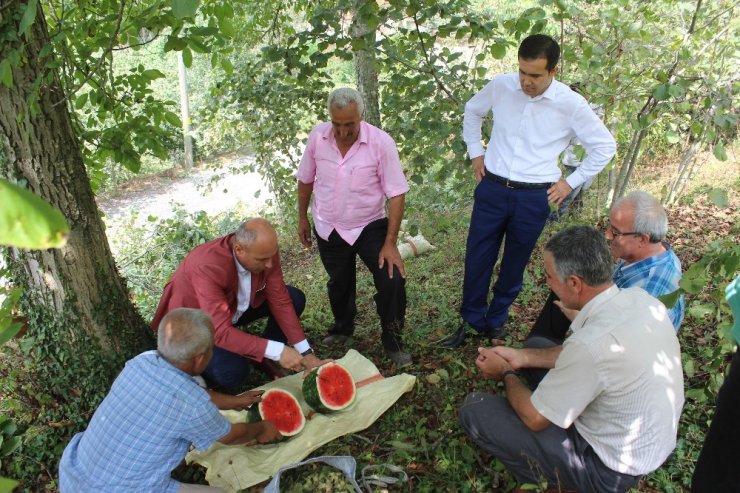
(212, 188)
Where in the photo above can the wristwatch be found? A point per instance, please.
(507, 373)
(307, 352)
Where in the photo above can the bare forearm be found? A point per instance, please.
(304, 198)
(520, 398)
(395, 215)
(541, 357)
(241, 433)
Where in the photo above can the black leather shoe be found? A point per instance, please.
(456, 339)
(496, 333)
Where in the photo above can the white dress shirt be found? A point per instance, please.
(529, 133)
(274, 348)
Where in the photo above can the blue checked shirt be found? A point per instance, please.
(657, 275)
(141, 431)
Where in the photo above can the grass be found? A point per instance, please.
(420, 433)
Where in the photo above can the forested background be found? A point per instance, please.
(90, 97)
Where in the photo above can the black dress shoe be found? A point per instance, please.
(496, 333)
(456, 339)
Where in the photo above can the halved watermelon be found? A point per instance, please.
(329, 388)
(280, 408)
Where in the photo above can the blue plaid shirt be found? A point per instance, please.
(657, 275)
(141, 431)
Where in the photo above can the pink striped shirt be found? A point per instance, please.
(349, 192)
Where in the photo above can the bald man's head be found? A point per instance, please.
(255, 244)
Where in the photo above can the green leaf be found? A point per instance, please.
(226, 27)
(670, 299)
(498, 51)
(227, 66)
(6, 73)
(172, 119)
(700, 310)
(688, 367)
(27, 221)
(661, 92)
(7, 333)
(187, 57)
(7, 485)
(80, 101)
(671, 137)
(719, 151)
(719, 198)
(174, 44)
(434, 379)
(9, 446)
(152, 74)
(29, 15)
(184, 8)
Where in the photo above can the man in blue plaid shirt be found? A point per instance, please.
(636, 235)
(154, 411)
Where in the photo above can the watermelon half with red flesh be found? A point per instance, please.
(329, 388)
(280, 408)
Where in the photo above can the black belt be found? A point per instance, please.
(516, 184)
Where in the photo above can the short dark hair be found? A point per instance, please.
(540, 46)
(581, 251)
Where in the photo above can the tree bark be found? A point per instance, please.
(80, 280)
(366, 72)
(182, 72)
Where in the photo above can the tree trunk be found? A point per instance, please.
(187, 162)
(366, 73)
(79, 281)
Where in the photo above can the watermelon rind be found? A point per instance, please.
(320, 376)
(289, 421)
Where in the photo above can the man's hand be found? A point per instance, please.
(267, 432)
(291, 359)
(304, 231)
(311, 361)
(246, 399)
(390, 256)
(570, 313)
(478, 168)
(558, 191)
(516, 358)
(491, 365)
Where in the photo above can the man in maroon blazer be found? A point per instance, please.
(237, 279)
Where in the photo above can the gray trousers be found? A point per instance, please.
(559, 456)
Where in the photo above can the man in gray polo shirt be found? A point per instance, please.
(607, 411)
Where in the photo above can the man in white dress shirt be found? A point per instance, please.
(607, 411)
(535, 117)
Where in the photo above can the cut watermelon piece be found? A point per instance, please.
(329, 388)
(280, 408)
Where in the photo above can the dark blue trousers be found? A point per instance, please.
(229, 370)
(501, 215)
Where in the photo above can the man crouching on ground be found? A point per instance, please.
(153, 412)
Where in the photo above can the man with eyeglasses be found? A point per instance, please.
(636, 236)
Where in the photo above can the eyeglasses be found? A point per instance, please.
(615, 232)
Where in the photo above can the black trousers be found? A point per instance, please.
(339, 259)
(551, 323)
(227, 370)
(716, 469)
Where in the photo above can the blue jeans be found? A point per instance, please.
(501, 215)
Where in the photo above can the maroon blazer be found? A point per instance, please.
(207, 279)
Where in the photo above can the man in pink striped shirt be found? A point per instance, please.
(353, 170)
